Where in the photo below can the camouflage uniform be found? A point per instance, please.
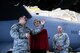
(61, 40)
(21, 43)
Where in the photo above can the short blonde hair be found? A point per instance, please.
(37, 20)
(59, 27)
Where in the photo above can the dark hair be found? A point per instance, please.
(22, 17)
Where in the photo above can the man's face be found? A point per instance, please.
(59, 30)
(36, 23)
(23, 20)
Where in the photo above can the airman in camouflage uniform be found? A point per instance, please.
(61, 41)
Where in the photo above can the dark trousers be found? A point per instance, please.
(38, 51)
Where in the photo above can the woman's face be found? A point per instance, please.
(37, 23)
